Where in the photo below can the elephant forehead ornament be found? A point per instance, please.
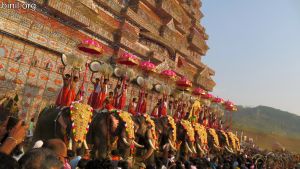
(201, 131)
(151, 122)
(81, 116)
(215, 136)
(235, 141)
(226, 137)
(173, 125)
(189, 128)
(129, 124)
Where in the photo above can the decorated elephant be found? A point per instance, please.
(69, 124)
(147, 137)
(201, 139)
(185, 139)
(224, 141)
(112, 130)
(234, 141)
(213, 141)
(166, 132)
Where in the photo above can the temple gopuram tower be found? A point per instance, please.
(32, 40)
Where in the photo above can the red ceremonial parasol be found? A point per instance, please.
(218, 100)
(199, 91)
(148, 66)
(169, 73)
(90, 46)
(228, 105)
(207, 96)
(184, 82)
(128, 59)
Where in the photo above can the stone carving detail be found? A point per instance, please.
(158, 49)
(204, 79)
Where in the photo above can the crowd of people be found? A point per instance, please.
(15, 153)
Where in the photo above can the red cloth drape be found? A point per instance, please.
(62, 96)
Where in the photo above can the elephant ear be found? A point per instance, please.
(16, 99)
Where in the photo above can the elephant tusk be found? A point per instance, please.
(194, 149)
(165, 146)
(137, 144)
(217, 147)
(172, 146)
(229, 149)
(201, 150)
(151, 144)
(125, 141)
(85, 145)
(70, 144)
(188, 147)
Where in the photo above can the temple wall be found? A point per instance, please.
(32, 42)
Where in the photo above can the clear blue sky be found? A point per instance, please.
(255, 51)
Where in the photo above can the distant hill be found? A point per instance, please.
(268, 125)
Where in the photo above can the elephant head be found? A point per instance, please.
(48, 126)
(64, 123)
(224, 140)
(166, 131)
(200, 139)
(234, 141)
(213, 140)
(146, 137)
(112, 130)
(186, 138)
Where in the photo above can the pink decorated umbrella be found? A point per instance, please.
(90, 46)
(169, 73)
(128, 59)
(218, 100)
(228, 104)
(199, 91)
(207, 96)
(148, 66)
(184, 82)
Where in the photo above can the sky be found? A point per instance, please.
(255, 51)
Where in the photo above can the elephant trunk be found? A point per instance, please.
(201, 150)
(151, 144)
(148, 154)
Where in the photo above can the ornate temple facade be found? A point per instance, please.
(167, 32)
